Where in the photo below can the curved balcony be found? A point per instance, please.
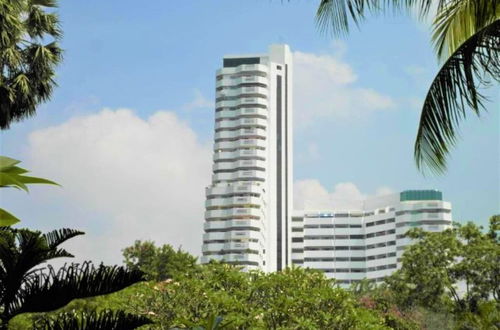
(240, 143)
(234, 124)
(240, 154)
(233, 213)
(243, 112)
(242, 101)
(233, 235)
(228, 82)
(243, 68)
(215, 247)
(243, 90)
(236, 258)
(233, 201)
(232, 224)
(241, 133)
(240, 176)
(234, 189)
(239, 164)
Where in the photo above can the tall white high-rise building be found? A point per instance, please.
(248, 204)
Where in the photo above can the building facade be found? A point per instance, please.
(248, 204)
(368, 241)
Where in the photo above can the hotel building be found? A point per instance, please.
(367, 241)
(248, 204)
(248, 217)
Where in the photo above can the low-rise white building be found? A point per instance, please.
(368, 240)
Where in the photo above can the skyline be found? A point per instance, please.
(350, 104)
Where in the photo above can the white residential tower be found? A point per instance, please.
(248, 204)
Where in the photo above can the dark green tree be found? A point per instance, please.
(494, 231)
(158, 263)
(457, 270)
(291, 299)
(108, 320)
(466, 35)
(29, 54)
(26, 287)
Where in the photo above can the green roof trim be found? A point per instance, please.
(421, 195)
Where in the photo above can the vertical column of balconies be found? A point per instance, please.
(430, 215)
(235, 207)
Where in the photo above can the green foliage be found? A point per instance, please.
(109, 320)
(438, 264)
(494, 229)
(454, 90)
(13, 176)
(29, 53)
(24, 288)
(487, 316)
(457, 21)
(383, 301)
(292, 299)
(158, 263)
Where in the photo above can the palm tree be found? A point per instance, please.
(466, 36)
(29, 53)
(27, 288)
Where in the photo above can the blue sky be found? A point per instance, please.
(128, 174)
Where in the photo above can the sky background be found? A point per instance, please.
(128, 132)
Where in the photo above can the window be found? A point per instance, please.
(279, 67)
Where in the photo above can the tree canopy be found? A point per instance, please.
(29, 54)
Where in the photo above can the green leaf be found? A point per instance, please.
(6, 162)
(7, 219)
(15, 170)
(8, 180)
(35, 180)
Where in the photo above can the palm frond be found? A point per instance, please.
(458, 20)
(109, 320)
(57, 237)
(335, 16)
(68, 283)
(7, 219)
(454, 89)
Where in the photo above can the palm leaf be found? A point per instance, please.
(70, 282)
(10, 180)
(454, 89)
(109, 320)
(458, 20)
(13, 176)
(21, 250)
(57, 237)
(335, 16)
(34, 180)
(7, 219)
(6, 162)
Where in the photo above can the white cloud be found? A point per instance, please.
(310, 194)
(199, 101)
(146, 177)
(323, 88)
